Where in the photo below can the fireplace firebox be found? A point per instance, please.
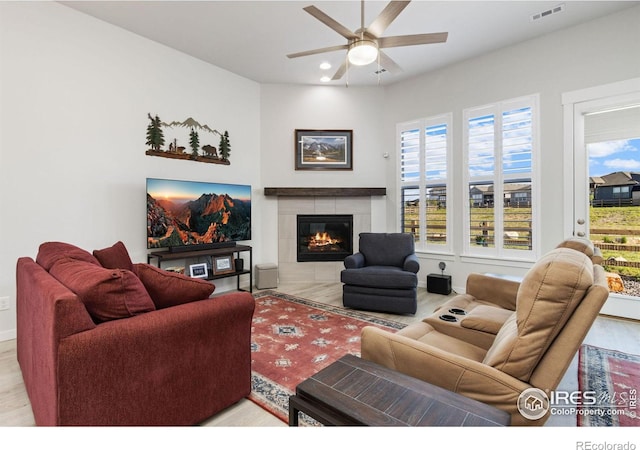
(324, 237)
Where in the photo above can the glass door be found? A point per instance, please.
(606, 191)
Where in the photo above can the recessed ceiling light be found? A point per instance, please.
(325, 79)
(325, 66)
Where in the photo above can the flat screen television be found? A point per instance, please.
(190, 215)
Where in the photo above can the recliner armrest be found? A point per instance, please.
(354, 261)
(488, 319)
(499, 291)
(455, 373)
(411, 263)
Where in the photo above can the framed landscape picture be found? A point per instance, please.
(223, 264)
(324, 149)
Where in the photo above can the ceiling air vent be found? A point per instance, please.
(548, 12)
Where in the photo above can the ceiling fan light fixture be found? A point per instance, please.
(362, 52)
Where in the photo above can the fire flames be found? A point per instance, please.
(321, 240)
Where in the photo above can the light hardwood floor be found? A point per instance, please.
(607, 332)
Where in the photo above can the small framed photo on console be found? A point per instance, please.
(223, 264)
(198, 270)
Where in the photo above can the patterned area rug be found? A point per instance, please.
(614, 379)
(293, 338)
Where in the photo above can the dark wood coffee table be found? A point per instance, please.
(354, 391)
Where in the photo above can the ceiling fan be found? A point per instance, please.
(365, 45)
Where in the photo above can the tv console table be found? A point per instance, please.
(234, 252)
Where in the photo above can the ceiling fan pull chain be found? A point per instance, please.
(361, 19)
(346, 61)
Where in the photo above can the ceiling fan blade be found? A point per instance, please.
(331, 23)
(340, 72)
(412, 39)
(319, 50)
(389, 64)
(388, 15)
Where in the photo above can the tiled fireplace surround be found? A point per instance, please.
(289, 270)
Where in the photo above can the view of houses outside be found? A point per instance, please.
(614, 219)
(614, 195)
(517, 215)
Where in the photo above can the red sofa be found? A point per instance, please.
(93, 350)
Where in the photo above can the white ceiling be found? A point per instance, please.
(252, 38)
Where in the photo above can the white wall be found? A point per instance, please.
(602, 51)
(75, 93)
(287, 108)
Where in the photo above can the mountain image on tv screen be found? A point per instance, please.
(190, 213)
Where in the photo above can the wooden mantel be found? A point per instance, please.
(324, 192)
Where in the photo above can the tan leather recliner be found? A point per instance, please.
(555, 305)
(489, 300)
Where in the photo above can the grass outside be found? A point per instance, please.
(517, 222)
(615, 218)
(624, 223)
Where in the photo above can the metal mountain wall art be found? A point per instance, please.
(188, 140)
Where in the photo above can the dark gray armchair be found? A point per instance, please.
(382, 276)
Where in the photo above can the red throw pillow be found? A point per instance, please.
(114, 257)
(170, 288)
(107, 294)
(50, 252)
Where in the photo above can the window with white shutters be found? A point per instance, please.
(500, 144)
(425, 150)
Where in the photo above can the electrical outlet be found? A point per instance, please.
(4, 303)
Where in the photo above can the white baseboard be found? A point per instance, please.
(622, 306)
(7, 335)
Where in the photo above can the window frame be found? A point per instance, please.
(446, 119)
(499, 178)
